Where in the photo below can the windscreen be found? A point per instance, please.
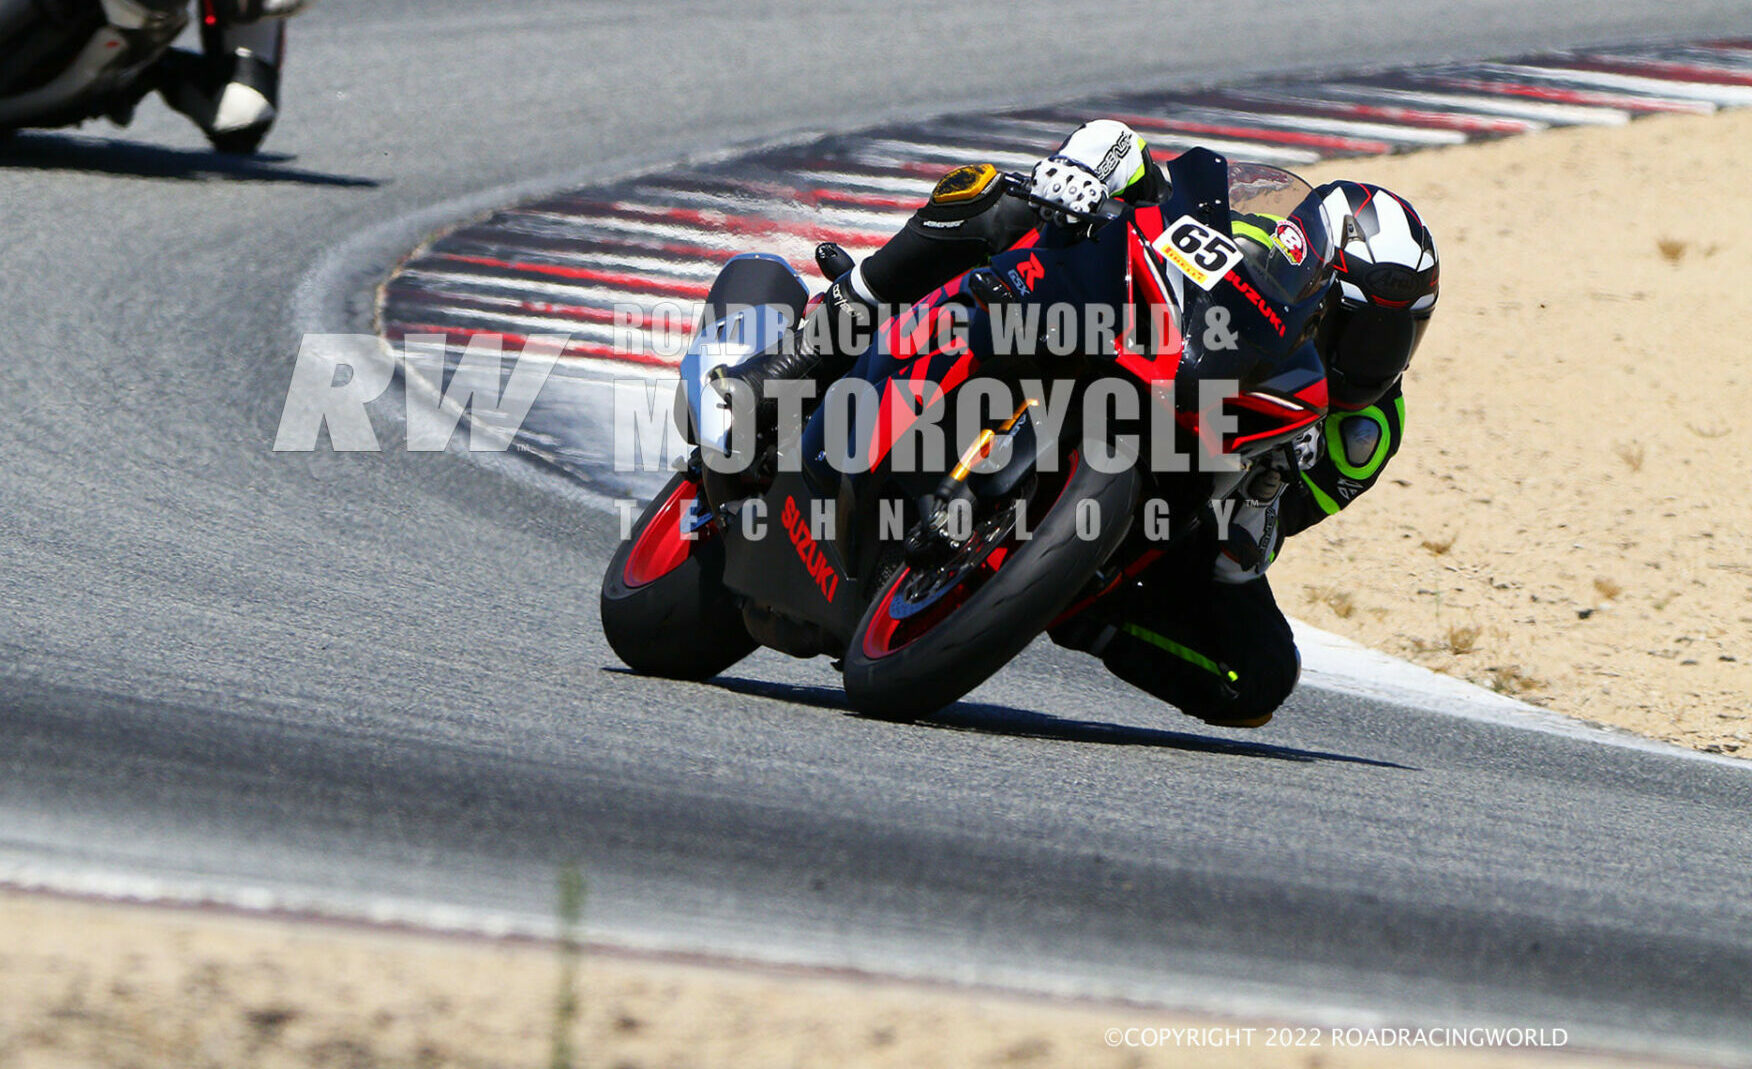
(1276, 218)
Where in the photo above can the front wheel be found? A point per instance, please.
(929, 638)
(665, 610)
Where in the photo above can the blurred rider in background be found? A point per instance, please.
(231, 88)
(65, 61)
(1200, 628)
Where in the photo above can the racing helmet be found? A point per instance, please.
(1388, 280)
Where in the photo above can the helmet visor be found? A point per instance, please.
(1370, 351)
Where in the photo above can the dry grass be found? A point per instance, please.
(1672, 249)
(1606, 588)
(1510, 680)
(1463, 638)
(1631, 453)
(1440, 548)
(1339, 601)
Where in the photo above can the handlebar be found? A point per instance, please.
(1018, 185)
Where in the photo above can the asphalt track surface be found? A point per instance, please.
(349, 682)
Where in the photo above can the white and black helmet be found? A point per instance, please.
(1388, 277)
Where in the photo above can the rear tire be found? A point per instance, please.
(665, 610)
(1034, 583)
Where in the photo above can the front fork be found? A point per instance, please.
(931, 538)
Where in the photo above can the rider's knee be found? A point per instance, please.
(1260, 692)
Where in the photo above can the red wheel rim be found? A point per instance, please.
(659, 548)
(887, 635)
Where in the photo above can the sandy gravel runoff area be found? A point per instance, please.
(1566, 523)
(99, 986)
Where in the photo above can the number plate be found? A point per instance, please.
(1202, 255)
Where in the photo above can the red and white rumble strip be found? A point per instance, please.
(564, 264)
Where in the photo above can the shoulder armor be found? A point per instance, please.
(1361, 437)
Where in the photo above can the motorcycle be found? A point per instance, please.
(925, 574)
(67, 61)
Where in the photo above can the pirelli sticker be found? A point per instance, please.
(964, 184)
(1202, 255)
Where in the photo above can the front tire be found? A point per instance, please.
(898, 668)
(665, 610)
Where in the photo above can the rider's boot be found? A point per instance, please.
(827, 342)
(232, 91)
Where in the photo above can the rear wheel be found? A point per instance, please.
(244, 142)
(665, 610)
(931, 636)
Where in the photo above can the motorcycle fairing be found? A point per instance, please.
(1282, 381)
(754, 300)
(788, 570)
(59, 73)
(912, 370)
(913, 366)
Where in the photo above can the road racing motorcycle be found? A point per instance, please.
(63, 62)
(924, 575)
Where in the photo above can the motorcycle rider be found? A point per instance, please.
(230, 89)
(1200, 628)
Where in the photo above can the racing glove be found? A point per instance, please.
(1252, 543)
(1104, 158)
(1254, 534)
(1070, 188)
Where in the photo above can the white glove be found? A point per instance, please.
(1306, 446)
(1110, 149)
(1068, 187)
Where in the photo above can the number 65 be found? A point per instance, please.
(1207, 248)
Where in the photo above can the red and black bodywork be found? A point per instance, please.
(808, 597)
(66, 61)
